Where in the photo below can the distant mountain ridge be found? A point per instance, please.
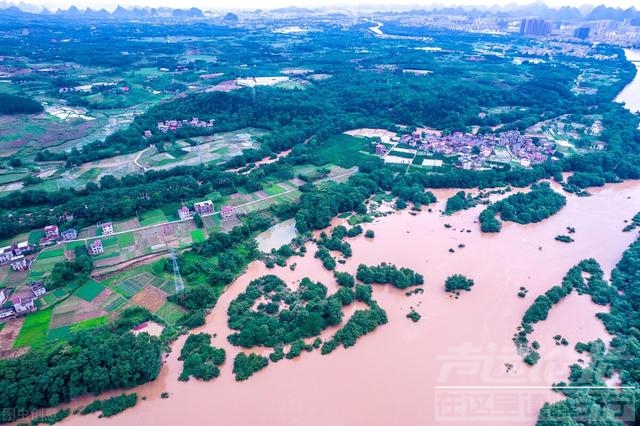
(536, 9)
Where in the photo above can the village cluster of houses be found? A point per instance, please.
(14, 255)
(474, 149)
(173, 125)
(20, 304)
(204, 208)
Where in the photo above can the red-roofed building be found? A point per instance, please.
(51, 231)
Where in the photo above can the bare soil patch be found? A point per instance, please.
(7, 335)
(151, 298)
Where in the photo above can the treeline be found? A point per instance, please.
(531, 207)
(12, 104)
(89, 362)
(114, 198)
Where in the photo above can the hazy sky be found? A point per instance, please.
(270, 4)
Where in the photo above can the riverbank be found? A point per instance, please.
(417, 373)
(630, 95)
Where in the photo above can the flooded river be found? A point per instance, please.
(448, 368)
(630, 95)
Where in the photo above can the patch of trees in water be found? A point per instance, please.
(600, 291)
(635, 223)
(457, 282)
(389, 274)
(200, 359)
(564, 239)
(586, 391)
(531, 207)
(112, 406)
(269, 314)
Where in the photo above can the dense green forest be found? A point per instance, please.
(90, 362)
(11, 104)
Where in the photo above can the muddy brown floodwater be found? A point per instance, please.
(448, 368)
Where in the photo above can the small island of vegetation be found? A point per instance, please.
(201, 359)
(530, 207)
(458, 282)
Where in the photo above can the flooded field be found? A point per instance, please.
(457, 365)
(276, 236)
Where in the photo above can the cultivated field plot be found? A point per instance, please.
(151, 298)
(53, 297)
(90, 323)
(73, 310)
(134, 284)
(197, 236)
(89, 290)
(128, 288)
(171, 313)
(168, 287)
(263, 204)
(50, 253)
(113, 303)
(14, 278)
(45, 262)
(273, 189)
(34, 329)
(60, 333)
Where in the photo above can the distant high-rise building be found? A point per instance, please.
(582, 33)
(535, 27)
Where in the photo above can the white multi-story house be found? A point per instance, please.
(96, 248)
